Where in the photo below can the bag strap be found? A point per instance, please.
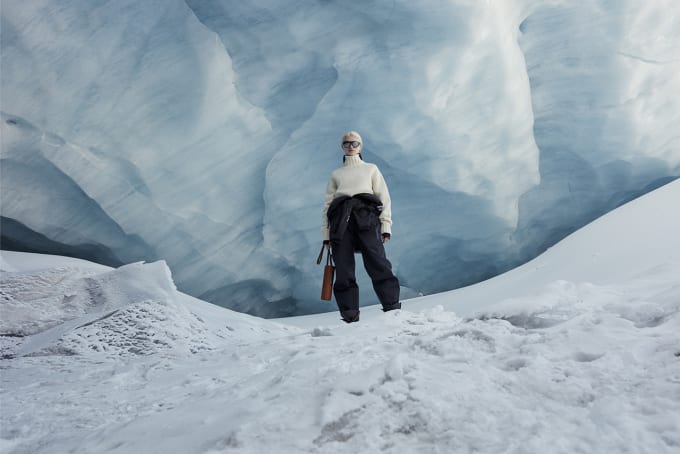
(318, 260)
(329, 257)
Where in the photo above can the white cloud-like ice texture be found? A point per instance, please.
(203, 132)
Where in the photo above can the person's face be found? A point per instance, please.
(351, 145)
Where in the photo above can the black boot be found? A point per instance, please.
(391, 307)
(350, 316)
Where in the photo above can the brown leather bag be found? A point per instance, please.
(328, 273)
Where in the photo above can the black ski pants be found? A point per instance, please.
(385, 283)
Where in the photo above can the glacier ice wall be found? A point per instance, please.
(602, 78)
(202, 132)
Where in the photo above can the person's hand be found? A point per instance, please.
(385, 237)
(327, 244)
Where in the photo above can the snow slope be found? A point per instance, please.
(577, 351)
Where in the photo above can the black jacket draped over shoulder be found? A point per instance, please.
(365, 207)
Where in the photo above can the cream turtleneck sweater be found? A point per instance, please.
(357, 177)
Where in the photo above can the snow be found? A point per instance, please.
(576, 351)
(202, 132)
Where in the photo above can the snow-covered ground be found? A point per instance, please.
(576, 351)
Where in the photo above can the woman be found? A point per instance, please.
(357, 217)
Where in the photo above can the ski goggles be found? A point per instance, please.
(353, 144)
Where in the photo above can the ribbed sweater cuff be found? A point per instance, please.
(386, 227)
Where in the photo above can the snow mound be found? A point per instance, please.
(33, 302)
(144, 328)
(134, 309)
(645, 306)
